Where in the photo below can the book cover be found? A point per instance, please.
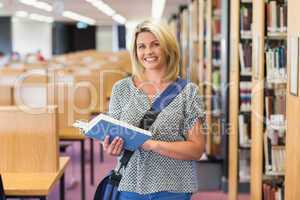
(103, 125)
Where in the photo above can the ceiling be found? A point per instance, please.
(132, 10)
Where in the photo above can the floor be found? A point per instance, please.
(72, 176)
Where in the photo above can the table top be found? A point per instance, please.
(70, 133)
(32, 184)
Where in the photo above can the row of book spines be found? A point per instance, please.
(216, 101)
(273, 191)
(276, 57)
(216, 26)
(245, 54)
(245, 95)
(276, 63)
(216, 79)
(277, 137)
(216, 52)
(244, 130)
(275, 105)
(216, 4)
(274, 156)
(245, 18)
(275, 163)
(276, 16)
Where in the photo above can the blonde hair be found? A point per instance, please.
(168, 44)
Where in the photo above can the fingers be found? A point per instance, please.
(115, 147)
(106, 143)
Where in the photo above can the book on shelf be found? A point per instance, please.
(216, 53)
(275, 102)
(245, 96)
(276, 64)
(245, 55)
(274, 153)
(216, 4)
(273, 190)
(246, 17)
(244, 130)
(276, 16)
(216, 80)
(244, 166)
(216, 26)
(102, 125)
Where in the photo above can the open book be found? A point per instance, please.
(103, 125)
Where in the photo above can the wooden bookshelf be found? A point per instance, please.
(265, 45)
(293, 104)
(184, 40)
(234, 99)
(194, 42)
(201, 45)
(240, 87)
(208, 72)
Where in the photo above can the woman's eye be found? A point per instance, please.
(156, 44)
(141, 47)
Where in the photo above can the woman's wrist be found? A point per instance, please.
(154, 145)
(150, 145)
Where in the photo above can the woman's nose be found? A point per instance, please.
(149, 50)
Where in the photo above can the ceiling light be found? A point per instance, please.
(158, 7)
(120, 19)
(38, 4)
(40, 18)
(78, 17)
(103, 7)
(34, 16)
(43, 6)
(1, 5)
(106, 9)
(21, 14)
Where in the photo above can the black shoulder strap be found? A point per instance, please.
(160, 103)
(2, 195)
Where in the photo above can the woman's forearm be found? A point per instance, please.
(181, 150)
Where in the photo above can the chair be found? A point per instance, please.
(2, 195)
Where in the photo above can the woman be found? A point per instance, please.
(163, 167)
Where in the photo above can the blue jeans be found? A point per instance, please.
(155, 196)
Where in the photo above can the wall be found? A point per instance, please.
(104, 38)
(5, 34)
(60, 39)
(30, 36)
(67, 37)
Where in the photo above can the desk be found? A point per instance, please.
(34, 185)
(73, 134)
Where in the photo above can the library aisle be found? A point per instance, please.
(73, 177)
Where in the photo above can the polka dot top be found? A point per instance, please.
(147, 171)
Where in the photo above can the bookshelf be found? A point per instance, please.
(206, 48)
(201, 46)
(268, 115)
(293, 126)
(184, 41)
(240, 97)
(194, 42)
(208, 71)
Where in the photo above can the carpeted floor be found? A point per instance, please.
(72, 177)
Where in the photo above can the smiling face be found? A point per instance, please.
(149, 51)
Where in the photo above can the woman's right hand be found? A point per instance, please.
(115, 147)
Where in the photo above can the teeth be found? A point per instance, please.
(150, 59)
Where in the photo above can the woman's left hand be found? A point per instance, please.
(149, 145)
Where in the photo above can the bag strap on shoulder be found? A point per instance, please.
(160, 103)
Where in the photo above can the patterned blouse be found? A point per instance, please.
(147, 171)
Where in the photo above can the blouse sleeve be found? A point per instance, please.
(194, 109)
(114, 103)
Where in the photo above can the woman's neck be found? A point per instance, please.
(155, 76)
